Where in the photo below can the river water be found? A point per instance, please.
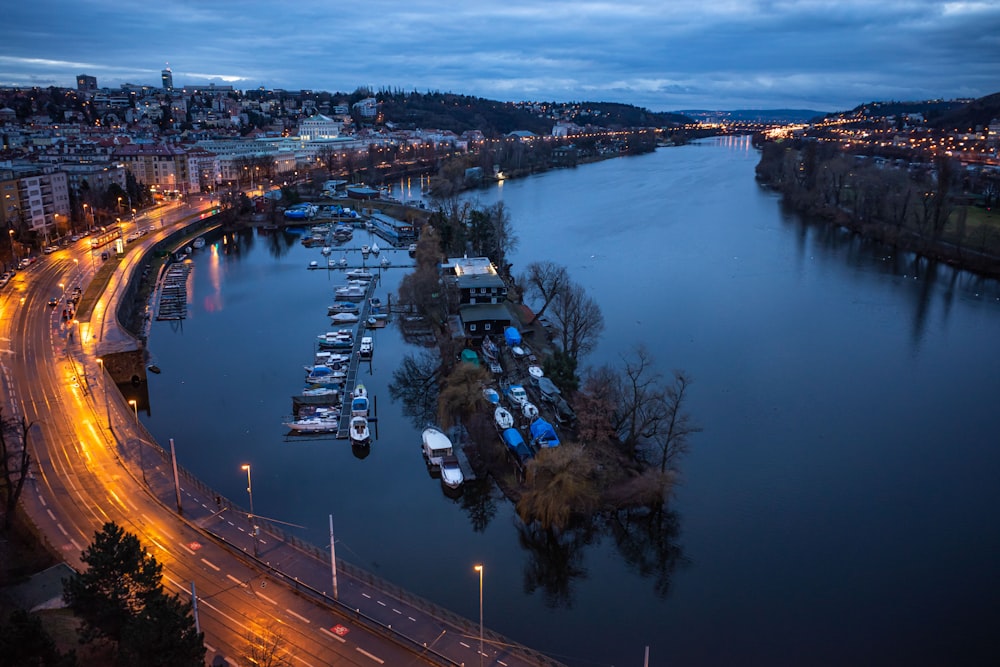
(840, 506)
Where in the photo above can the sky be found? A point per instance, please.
(664, 55)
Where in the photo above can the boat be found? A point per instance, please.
(514, 441)
(412, 250)
(451, 472)
(385, 262)
(332, 359)
(375, 303)
(198, 243)
(490, 350)
(331, 263)
(367, 347)
(342, 307)
(314, 264)
(503, 418)
(321, 422)
(375, 249)
(543, 434)
(365, 250)
(324, 375)
(359, 433)
(320, 391)
(342, 261)
(491, 395)
(536, 371)
(335, 341)
(350, 292)
(359, 404)
(344, 318)
(436, 445)
(529, 410)
(326, 250)
(359, 274)
(517, 394)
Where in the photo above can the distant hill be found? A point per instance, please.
(458, 113)
(754, 115)
(941, 114)
(976, 113)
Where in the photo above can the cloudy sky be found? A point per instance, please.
(661, 54)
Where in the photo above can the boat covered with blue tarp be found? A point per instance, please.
(516, 444)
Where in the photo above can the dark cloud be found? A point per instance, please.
(663, 55)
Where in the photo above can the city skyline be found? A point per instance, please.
(819, 55)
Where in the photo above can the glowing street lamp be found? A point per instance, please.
(253, 528)
(479, 569)
(142, 463)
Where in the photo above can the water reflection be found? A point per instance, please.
(555, 561)
(647, 540)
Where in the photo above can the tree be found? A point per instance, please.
(24, 642)
(673, 441)
(559, 486)
(121, 601)
(544, 280)
(462, 393)
(15, 462)
(578, 319)
(266, 646)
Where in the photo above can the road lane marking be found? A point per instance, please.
(330, 634)
(162, 548)
(41, 499)
(398, 612)
(211, 565)
(381, 603)
(209, 647)
(464, 644)
(412, 619)
(501, 662)
(367, 596)
(62, 530)
(264, 597)
(234, 579)
(73, 542)
(301, 618)
(51, 515)
(366, 653)
(187, 548)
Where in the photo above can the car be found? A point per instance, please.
(50, 249)
(53, 302)
(74, 238)
(24, 263)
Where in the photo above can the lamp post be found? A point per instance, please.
(104, 382)
(13, 252)
(253, 528)
(479, 569)
(142, 463)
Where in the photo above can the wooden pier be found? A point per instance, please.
(344, 425)
(172, 304)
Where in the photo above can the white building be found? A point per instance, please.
(319, 127)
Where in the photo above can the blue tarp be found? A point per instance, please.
(543, 433)
(512, 336)
(512, 438)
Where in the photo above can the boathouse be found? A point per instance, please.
(475, 279)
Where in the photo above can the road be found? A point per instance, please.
(95, 463)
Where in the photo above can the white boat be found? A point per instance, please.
(331, 263)
(326, 250)
(350, 292)
(517, 394)
(198, 243)
(342, 307)
(413, 249)
(385, 262)
(314, 264)
(375, 249)
(367, 347)
(320, 391)
(359, 404)
(491, 395)
(344, 318)
(321, 423)
(503, 418)
(436, 445)
(324, 375)
(360, 435)
(332, 359)
(451, 472)
(365, 250)
(343, 261)
(360, 274)
(536, 371)
(529, 410)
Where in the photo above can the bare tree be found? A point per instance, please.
(544, 280)
(15, 461)
(679, 426)
(266, 646)
(578, 319)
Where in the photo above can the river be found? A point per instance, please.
(840, 505)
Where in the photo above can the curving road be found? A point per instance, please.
(93, 463)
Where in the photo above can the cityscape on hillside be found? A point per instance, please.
(73, 158)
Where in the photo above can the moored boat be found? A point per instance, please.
(344, 318)
(451, 472)
(529, 410)
(491, 395)
(326, 422)
(436, 445)
(359, 432)
(503, 418)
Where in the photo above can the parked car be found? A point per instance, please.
(50, 249)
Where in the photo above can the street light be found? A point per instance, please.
(479, 569)
(142, 463)
(253, 529)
